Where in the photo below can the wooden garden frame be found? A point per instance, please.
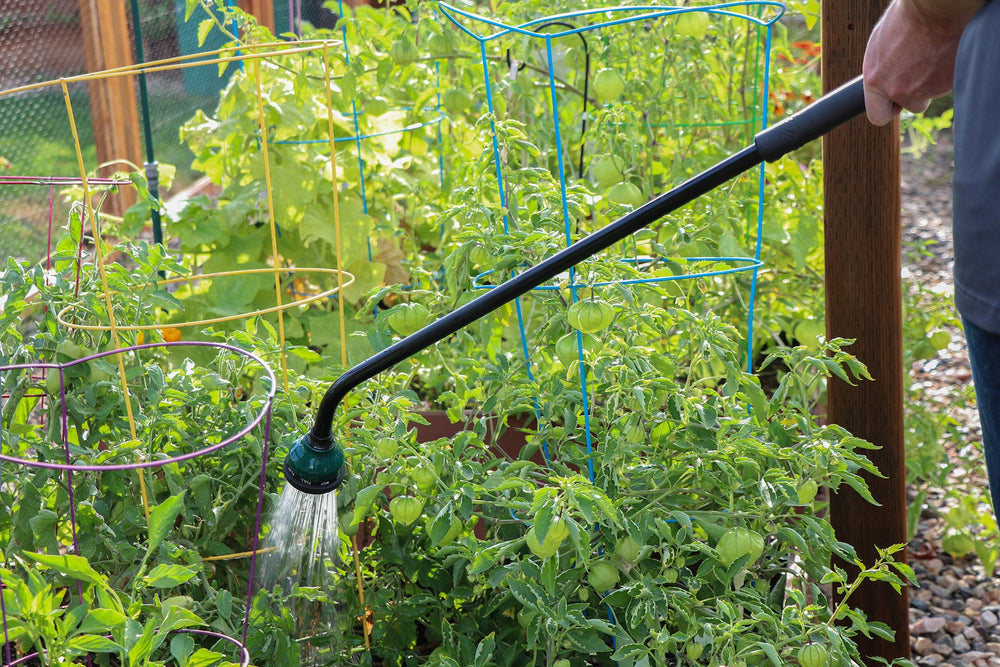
(863, 245)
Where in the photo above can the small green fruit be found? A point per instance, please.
(567, 351)
(608, 170)
(813, 655)
(405, 509)
(608, 85)
(345, 520)
(807, 491)
(692, 24)
(739, 542)
(957, 545)
(479, 255)
(439, 44)
(628, 549)
(52, 382)
(385, 448)
(693, 650)
(404, 52)
(558, 531)
(456, 101)
(542, 550)
(590, 315)
(424, 477)
(603, 576)
(408, 318)
(454, 530)
(626, 193)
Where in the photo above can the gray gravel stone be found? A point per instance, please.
(928, 626)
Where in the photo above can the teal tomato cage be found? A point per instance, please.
(669, 67)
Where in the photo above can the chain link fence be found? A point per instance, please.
(44, 41)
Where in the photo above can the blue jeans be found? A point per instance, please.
(984, 356)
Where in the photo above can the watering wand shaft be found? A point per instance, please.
(810, 123)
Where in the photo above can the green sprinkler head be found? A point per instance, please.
(314, 469)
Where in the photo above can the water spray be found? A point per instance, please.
(315, 462)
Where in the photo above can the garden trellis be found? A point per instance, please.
(665, 109)
(148, 417)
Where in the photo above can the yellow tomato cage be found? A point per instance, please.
(249, 56)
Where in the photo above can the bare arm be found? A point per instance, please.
(911, 54)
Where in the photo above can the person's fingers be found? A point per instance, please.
(880, 109)
(917, 105)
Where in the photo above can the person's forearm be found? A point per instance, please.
(944, 15)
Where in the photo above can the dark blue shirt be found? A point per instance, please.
(976, 205)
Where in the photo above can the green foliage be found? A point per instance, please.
(646, 443)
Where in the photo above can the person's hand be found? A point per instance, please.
(910, 57)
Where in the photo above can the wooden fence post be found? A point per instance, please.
(262, 10)
(861, 170)
(114, 114)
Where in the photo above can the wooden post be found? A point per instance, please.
(262, 10)
(113, 102)
(864, 301)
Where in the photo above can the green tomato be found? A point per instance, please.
(454, 530)
(479, 255)
(67, 351)
(558, 532)
(626, 193)
(692, 24)
(404, 52)
(807, 491)
(561, 662)
(385, 448)
(456, 101)
(424, 477)
(542, 550)
(813, 655)
(567, 351)
(608, 85)
(590, 315)
(628, 549)
(603, 576)
(693, 650)
(608, 170)
(738, 542)
(405, 509)
(408, 318)
(439, 44)
(52, 384)
(957, 545)
(345, 520)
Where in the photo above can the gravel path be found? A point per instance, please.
(955, 611)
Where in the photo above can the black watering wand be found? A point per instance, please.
(315, 463)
